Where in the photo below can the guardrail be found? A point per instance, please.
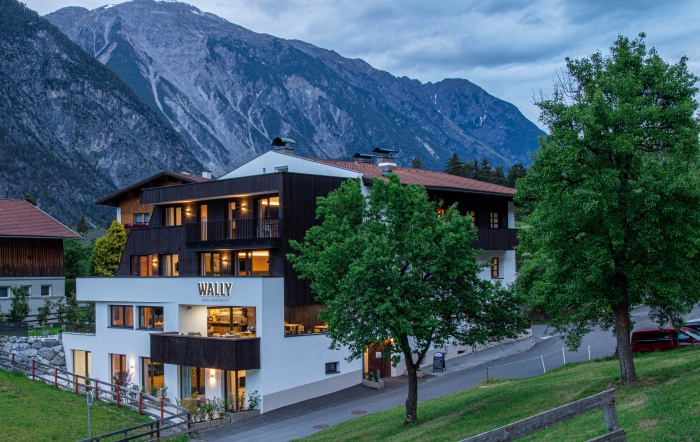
(167, 416)
(534, 424)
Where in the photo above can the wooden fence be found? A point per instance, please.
(170, 417)
(531, 425)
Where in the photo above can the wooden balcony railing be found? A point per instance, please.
(238, 232)
(496, 239)
(200, 351)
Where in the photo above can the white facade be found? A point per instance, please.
(52, 287)
(292, 367)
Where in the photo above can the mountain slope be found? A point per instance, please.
(228, 91)
(71, 131)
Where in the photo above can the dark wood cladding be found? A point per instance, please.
(157, 241)
(213, 189)
(199, 351)
(298, 195)
(496, 239)
(31, 257)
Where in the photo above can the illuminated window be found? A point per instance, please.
(495, 269)
(122, 316)
(254, 263)
(210, 264)
(472, 213)
(151, 318)
(169, 265)
(173, 216)
(143, 265)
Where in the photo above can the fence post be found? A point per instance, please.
(610, 416)
(34, 369)
(189, 421)
(119, 389)
(157, 429)
(563, 355)
(543, 369)
(589, 352)
(76, 385)
(140, 402)
(161, 408)
(97, 388)
(487, 373)
(13, 362)
(55, 377)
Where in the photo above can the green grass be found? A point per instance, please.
(661, 406)
(34, 411)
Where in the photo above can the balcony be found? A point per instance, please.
(496, 239)
(199, 351)
(235, 234)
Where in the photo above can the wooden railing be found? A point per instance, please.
(167, 416)
(531, 425)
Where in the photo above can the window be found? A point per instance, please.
(255, 263)
(151, 318)
(120, 372)
(332, 368)
(282, 169)
(495, 268)
(82, 363)
(46, 290)
(4, 292)
(142, 265)
(122, 316)
(210, 264)
(441, 211)
(142, 218)
(173, 216)
(494, 220)
(203, 218)
(170, 265)
(472, 213)
(153, 375)
(28, 288)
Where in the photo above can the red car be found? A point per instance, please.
(664, 338)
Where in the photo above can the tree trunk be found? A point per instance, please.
(624, 350)
(412, 399)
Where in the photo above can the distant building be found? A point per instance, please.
(205, 302)
(134, 215)
(31, 253)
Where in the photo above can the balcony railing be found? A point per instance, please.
(235, 233)
(496, 239)
(199, 351)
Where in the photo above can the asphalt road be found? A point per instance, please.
(548, 350)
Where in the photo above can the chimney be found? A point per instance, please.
(206, 174)
(281, 145)
(385, 159)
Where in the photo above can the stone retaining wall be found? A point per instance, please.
(45, 350)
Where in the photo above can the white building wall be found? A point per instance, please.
(58, 290)
(271, 161)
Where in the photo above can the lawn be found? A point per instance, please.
(661, 406)
(35, 411)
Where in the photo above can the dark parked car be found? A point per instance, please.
(664, 338)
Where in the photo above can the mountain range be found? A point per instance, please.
(109, 96)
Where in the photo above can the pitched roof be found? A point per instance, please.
(113, 199)
(19, 218)
(426, 178)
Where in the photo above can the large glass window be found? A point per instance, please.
(231, 321)
(235, 389)
(82, 363)
(122, 316)
(151, 318)
(153, 375)
(210, 264)
(143, 265)
(192, 382)
(173, 216)
(120, 372)
(169, 265)
(203, 218)
(268, 216)
(253, 263)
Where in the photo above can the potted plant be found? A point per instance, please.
(372, 381)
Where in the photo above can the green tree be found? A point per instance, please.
(30, 199)
(19, 306)
(82, 227)
(416, 162)
(515, 172)
(44, 312)
(108, 251)
(498, 177)
(485, 171)
(388, 268)
(76, 258)
(454, 165)
(615, 192)
(470, 169)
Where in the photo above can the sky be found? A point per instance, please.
(513, 49)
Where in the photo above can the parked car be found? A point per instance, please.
(664, 338)
(694, 324)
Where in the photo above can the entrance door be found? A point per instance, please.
(375, 361)
(234, 390)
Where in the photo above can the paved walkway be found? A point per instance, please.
(305, 418)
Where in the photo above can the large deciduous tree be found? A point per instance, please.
(614, 194)
(108, 251)
(389, 269)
